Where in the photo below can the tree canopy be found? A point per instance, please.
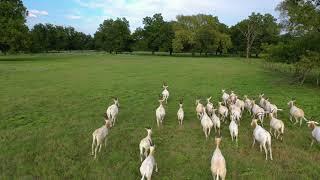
(13, 31)
(200, 33)
(252, 32)
(113, 35)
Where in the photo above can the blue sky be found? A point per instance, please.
(86, 15)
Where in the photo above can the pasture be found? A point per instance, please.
(51, 104)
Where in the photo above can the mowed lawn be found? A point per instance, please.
(51, 104)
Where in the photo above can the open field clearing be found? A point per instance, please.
(50, 105)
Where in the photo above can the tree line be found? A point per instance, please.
(198, 33)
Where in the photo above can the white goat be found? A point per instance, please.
(209, 106)
(180, 113)
(160, 113)
(233, 128)
(296, 113)
(218, 163)
(235, 113)
(271, 108)
(98, 136)
(247, 104)
(258, 112)
(145, 144)
(240, 104)
(315, 131)
(199, 109)
(223, 111)
(113, 110)
(232, 98)
(262, 99)
(225, 97)
(146, 168)
(262, 136)
(215, 120)
(277, 125)
(165, 93)
(206, 123)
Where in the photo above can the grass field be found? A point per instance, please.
(51, 104)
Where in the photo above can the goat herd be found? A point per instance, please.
(232, 107)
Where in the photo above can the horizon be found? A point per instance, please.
(76, 13)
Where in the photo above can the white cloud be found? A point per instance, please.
(228, 11)
(32, 15)
(35, 13)
(73, 17)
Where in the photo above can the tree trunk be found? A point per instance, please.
(247, 51)
(303, 79)
(206, 53)
(152, 52)
(170, 52)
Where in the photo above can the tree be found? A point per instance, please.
(152, 31)
(13, 31)
(301, 20)
(255, 30)
(113, 36)
(166, 36)
(200, 33)
(300, 16)
(139, 40)
(46, 37)
(39, 38)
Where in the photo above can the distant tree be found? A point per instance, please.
(200, 33)
(255, 30)
(113, 36)
(13, 31)
(166, 36)
(39, 38)
(301, 45)
(300, 16)
(152, 31)
(46, 37)
(139, 40)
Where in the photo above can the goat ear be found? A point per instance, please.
(316, 122)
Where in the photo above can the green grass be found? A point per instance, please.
(51, 104)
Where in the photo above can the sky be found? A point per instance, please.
(86, 15)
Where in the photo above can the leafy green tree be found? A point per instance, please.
(46, 37)
(200, 33)
(166, 36)
(39, 38)
(301, 20)
(13, 31)
(113, 36)
(152, 31)
(300, 16)
(255, 30)
(139, 40)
